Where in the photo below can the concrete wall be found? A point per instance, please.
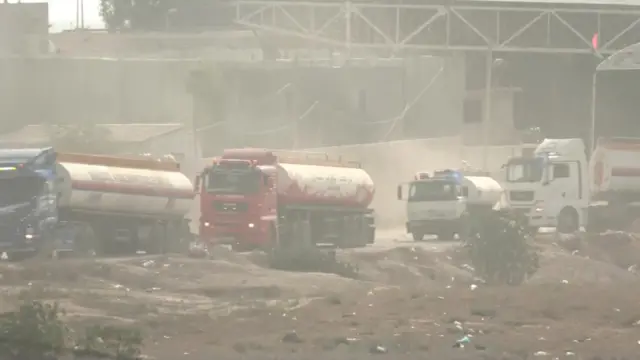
(59, 90)
(502, 129)
(348, 102)
(357, 101)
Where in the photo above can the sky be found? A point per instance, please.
(62, 14)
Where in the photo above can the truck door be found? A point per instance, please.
(565, 187)
(271, 198)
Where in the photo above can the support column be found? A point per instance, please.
(592, 140)
(486, 123)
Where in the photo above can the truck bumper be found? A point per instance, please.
(15, 244)
(541, 220)
(434, 226)
(243, 240)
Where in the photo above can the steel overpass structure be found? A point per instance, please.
(478, 25)
(403, 28)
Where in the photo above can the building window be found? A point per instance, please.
(472, 111)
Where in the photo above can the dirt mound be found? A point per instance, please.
(410, 300)
(410, 265)
(608, 257)
(395, 322)
(153, 287)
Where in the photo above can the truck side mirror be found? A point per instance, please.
(399, 192)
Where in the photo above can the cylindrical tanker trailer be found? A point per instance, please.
(482, 191)
(255, 197)
(123, 204)
(323, 185)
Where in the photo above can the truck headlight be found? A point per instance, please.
(206, 224)
(538, 206)
(29, 231)
(251, 225)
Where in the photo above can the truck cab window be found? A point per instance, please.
(560, 171)
(523, 170)
(233, 181)
(432, 191)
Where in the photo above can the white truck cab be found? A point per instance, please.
(440, 204)
(551, 188)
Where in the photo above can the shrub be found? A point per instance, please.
(36, 331)
(110, 342)
(500, 249)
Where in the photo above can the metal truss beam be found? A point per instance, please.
(397, 28)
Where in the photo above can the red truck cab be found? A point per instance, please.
(237, 202)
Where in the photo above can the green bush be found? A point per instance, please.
(500, 249)
(36, 331)
(110, 342)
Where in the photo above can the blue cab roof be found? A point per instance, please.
(22, 154)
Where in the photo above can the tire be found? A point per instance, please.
(273, 240)
(567, 221)
(85, 243)
(417, 236)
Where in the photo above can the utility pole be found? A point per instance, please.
(486, 128)
(79, 14)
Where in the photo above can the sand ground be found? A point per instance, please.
(411, 301)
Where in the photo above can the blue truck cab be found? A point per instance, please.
(28, 199)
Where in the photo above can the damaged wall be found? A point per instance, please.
(361, 100)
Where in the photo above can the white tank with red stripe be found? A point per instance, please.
(328, 185)
(615, 165)
(139, 187)
(313, 178)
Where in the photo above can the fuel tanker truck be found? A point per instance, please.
(444, 203)
(110, 205)
(558, 186)
(255, 198)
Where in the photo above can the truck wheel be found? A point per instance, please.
(44, 250)
(417, 236)
(85, 242)
(568, 221)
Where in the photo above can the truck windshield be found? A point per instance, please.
(18, 190)
(233, 181)
(525, 170)
(432, 191)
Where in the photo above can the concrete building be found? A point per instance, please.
(24, 29)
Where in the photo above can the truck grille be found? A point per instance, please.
(521, 195)
(224, 206)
